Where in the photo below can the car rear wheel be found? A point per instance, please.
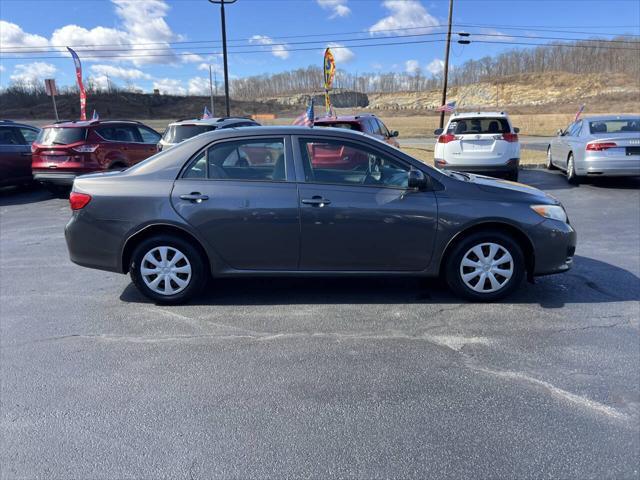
(167, 269)
(485, 266)
(550, 165)
(572, 178)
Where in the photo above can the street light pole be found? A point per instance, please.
(224, 51)
(446, 64)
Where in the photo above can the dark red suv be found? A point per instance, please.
(65, 150)
(366, 123)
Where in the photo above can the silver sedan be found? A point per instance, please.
(597, 146)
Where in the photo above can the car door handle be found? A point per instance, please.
(316, 201)
(26, 154)
(195, 197)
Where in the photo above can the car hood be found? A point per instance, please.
(495, 185)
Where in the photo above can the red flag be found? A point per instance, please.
(83, 95)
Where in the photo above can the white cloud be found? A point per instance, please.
(11, 35)
(120, 72)
(32, 73)
(436, 66)
(338, 7)
(341, 54)
(376, 66)
(277, 50)
(169, 86)
(189, 57)
(412, 66)
(1, 68)
(142, 22)
(198, 86)
(99, 82)
(404, 14)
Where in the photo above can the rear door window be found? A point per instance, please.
(9, 136)
(61, 135)
(29, 135)
(479, 126)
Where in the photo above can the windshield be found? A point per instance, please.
(180, 133)
(61, 136)
(479, 125)
(615, 126)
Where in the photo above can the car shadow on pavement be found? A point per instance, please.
(591, 281)
(555, 180)
(24, 195)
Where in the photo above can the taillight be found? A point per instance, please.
(446, 138)
(78, 200)
(510, 137)
(440, 162)
(86, 148)
(599, 146)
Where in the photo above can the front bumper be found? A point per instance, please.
(554, 244)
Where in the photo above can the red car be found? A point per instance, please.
(65, 150)
(367, 123)
(15, 152)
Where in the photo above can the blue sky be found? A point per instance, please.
(167, 31)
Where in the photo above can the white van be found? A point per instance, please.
(479, 142)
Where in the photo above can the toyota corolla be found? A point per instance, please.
(308, 201)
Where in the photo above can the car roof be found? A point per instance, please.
(211, 121)
(343, 118)
(11, 123)
(89, 123)
(627, 116)
(478, 114)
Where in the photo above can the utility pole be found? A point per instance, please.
(446, 64)
(211, 90)
(224, 52)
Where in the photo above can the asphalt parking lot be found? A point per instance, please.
(322, 378)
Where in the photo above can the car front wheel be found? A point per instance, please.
(167, 269)
(485, 266)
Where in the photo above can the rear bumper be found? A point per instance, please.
(613, 166)
(56, 178)
(555, 245)
(509, 167)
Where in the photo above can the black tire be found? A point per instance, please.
(572, 178)
(453, 274)
(194, 257)
(550, 165)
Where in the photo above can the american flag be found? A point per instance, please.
(306, 119)
(449, 107)
(579, 112)
(206, 114)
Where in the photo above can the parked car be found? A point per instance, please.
(480, 142)
(182, 130)
(197, 210)
(15, 152)
(606, 145)
(65, 150)
(365, 123)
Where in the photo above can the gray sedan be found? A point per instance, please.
(597, 146)
(301, 201)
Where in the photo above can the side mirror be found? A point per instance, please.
(417, 180)
(395, 133)
(438, 131)
(516, 129)
(560, 132)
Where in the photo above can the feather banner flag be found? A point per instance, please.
(83, 95)
(329, 73)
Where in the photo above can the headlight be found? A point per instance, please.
(555, 212)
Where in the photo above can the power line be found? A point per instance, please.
(357, 32)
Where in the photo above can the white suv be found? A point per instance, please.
(479, 142)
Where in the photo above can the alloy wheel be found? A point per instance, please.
(486, 267)
(165, 270)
